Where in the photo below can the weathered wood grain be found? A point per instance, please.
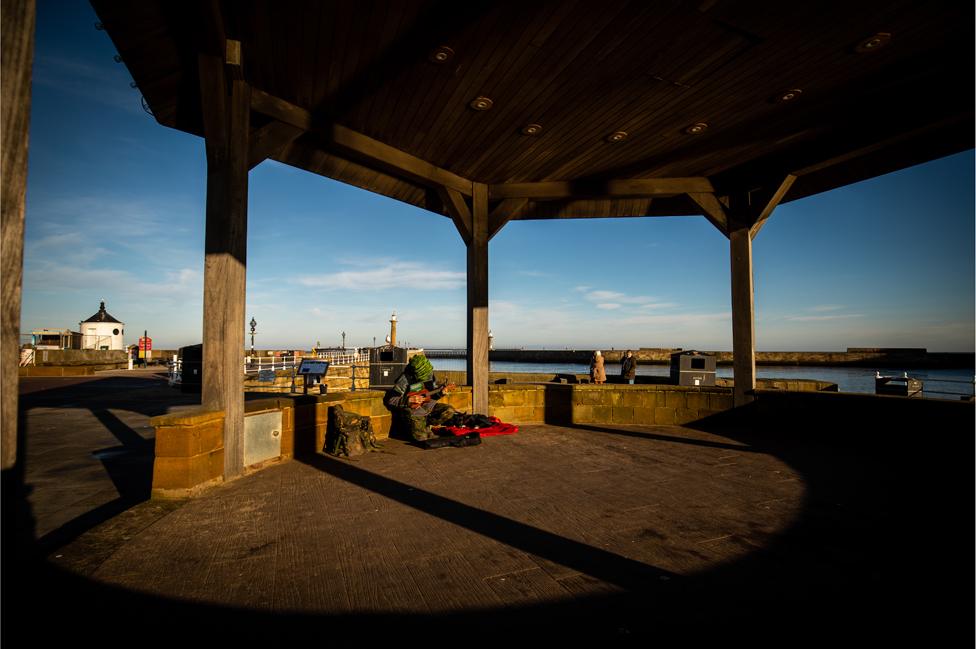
(16, 60)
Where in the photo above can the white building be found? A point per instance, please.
(102, 331)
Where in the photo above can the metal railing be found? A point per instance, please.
(257, 364)
(344, 357)
(967, 394)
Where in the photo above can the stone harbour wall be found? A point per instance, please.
(190, 455)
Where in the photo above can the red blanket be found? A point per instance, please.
(497, 428)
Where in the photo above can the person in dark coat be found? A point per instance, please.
(628, 367)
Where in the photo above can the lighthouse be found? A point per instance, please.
(393, 322)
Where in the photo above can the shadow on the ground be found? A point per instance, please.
(129, 465)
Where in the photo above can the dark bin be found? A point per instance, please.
(191, 368)
(385, 365)
(692, 368)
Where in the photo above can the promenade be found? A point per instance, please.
(559, 535)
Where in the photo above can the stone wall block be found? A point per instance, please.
(720, 401)
(582, 414)
(664, 415)
(675, 399)
(697, 400)
(623, 415)
(644, 415)
(187, 472)
(186, 441)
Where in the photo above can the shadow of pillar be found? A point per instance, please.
(559, 404)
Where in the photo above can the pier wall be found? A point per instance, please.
(189, 445)
(853, 357)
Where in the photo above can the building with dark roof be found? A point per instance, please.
(102, 331)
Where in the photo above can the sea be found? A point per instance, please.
(937, 383)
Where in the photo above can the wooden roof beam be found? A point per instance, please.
(627, 188)
(504, 212)
(459, 211)
(359, 146)
(712, 209)
(769, 202)
(269, 140)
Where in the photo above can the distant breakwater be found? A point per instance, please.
(853, 357)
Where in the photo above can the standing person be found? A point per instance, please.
(628, 367)
(597, 373)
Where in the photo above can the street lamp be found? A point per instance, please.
(254, 324)
(343, 339)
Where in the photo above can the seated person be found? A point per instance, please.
(413, 400)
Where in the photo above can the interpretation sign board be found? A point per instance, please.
(313, 366)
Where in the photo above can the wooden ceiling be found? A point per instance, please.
(365, 71)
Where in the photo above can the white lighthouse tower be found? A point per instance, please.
(102, 331)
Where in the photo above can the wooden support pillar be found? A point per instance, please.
(477, 359)
(226, 111)
(743, 319)
(16, 60)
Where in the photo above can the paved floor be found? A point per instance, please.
(580, 535)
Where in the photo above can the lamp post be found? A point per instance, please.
(254, 324)
(343, 339)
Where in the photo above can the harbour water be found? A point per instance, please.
(938, 383)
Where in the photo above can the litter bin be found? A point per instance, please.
(385, 365)
(692, 368)
(191, 368)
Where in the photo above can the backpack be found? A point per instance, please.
(349, 434)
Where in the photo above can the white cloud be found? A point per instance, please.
(602, 298)
(608, 306)
(826, 307)
(178, 284)
(412, 276)
(824, 318)
(680, 319)
(596, 296)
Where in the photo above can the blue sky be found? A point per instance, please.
(115, 211)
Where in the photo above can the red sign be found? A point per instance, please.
(145, 344)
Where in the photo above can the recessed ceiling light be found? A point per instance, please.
(481, 103)
(441, 55)
(696, 129)
(617, 136)
(531, 129)
(788, 95)
(872, 43)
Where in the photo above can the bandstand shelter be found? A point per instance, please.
(488, 112)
